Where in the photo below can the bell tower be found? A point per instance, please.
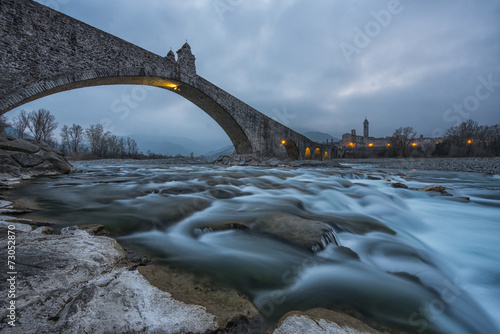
(366, 126)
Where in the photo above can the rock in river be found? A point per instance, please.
(318, 321)
(312, 234)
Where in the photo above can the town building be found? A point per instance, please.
(351, 142)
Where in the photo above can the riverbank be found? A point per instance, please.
(474, 165)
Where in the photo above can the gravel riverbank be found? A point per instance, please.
(475, 165)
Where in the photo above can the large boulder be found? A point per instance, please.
(27, 158)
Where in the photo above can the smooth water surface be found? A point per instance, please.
(422, 261)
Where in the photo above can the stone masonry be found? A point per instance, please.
(43, 52)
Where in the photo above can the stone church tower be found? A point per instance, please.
(365, 128)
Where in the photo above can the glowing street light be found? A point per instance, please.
(469, 141)
(283, 142)
(351, 144)
(413, 144)
(370, 145)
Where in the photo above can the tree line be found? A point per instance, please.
(93, 141)
(468, 139)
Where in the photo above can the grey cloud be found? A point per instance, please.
(275, 55)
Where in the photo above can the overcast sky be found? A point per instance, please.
(318, 65)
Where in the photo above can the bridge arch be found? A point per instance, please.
(317, 154)
(291, 149)
(64, 83)
(307, 154)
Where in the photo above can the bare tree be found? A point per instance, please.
(20, 124)
(132, 149)
(402, 140)
(65, 139)
(112, 144)
(121, 145)
(95, 135)
(42, 124)
(463, 137)
(75, 134)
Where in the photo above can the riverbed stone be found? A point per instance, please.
(233, 312)
(399, 185)
(312, 234)
(437, 188)
(319, 321)
(223, 226)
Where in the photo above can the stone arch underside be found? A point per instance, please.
(203, 101)
(291, 149)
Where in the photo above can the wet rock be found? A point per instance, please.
(462, 199)
(312, 234)
(223, 226)
(317, 321)
(399, 185)
(434, 187)
(233, 312)
(437, 188)
(94, 229)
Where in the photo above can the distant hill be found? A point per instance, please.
(168, 145)
(228, 150)
(179, 145)
(319, 136)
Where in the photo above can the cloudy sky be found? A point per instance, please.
(319, 65)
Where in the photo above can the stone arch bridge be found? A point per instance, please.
(43, 52)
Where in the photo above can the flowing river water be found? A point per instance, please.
(422, 261)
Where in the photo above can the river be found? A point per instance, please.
(421, 261)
